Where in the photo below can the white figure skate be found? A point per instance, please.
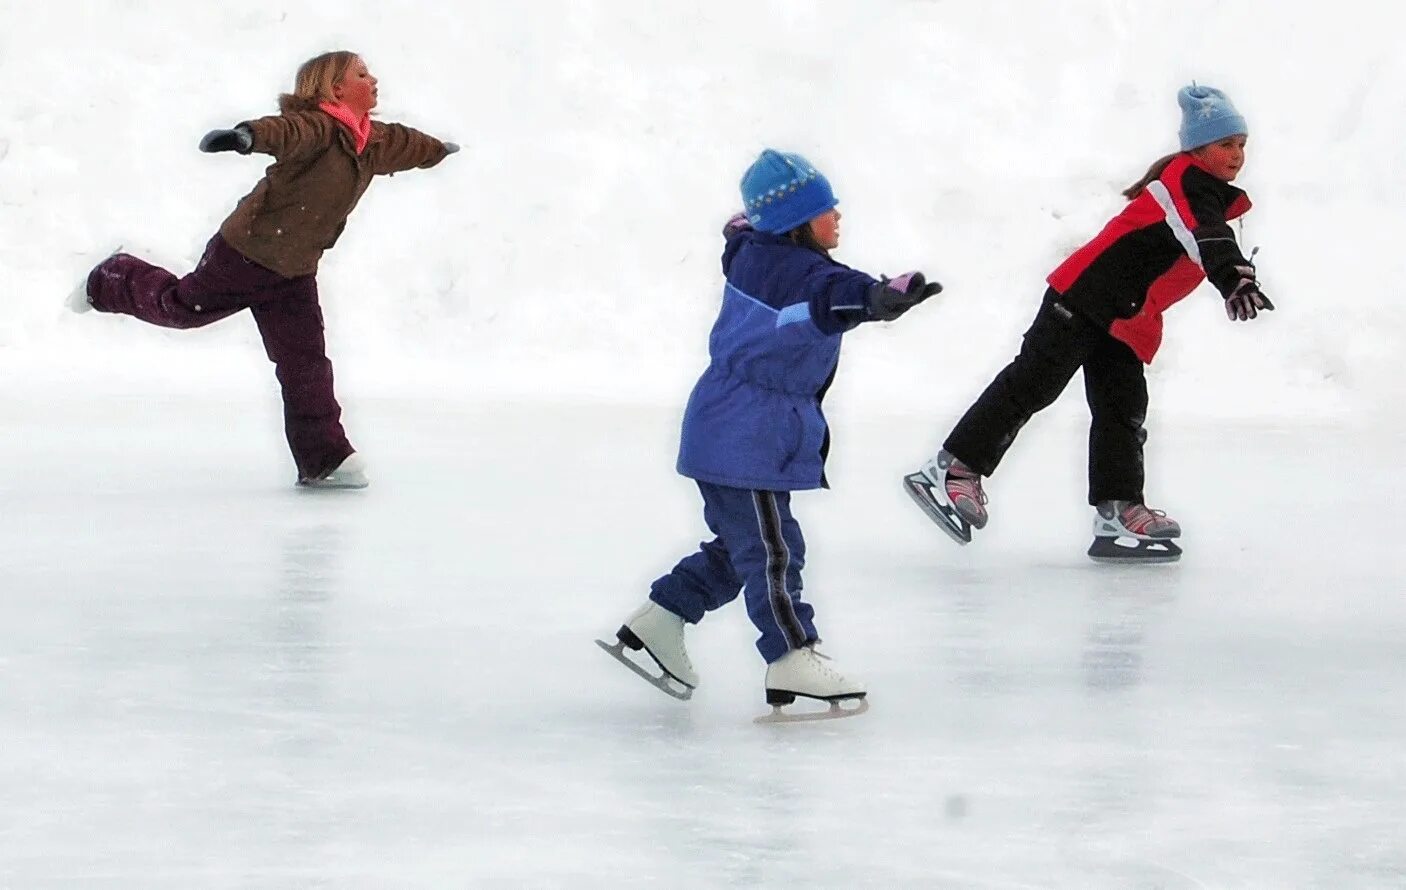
(77, 300)
(807, 673)
(350, 473)
(659, 633)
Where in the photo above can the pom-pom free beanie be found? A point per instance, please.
(781, 191)
(1207, 115)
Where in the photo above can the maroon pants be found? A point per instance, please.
(289, 320)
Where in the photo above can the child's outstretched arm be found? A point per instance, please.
(279, 135)
(406, 148)
(1217, 251)
(240, 139)
(848, 300)
(894, 296)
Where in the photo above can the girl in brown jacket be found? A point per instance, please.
(326, 148)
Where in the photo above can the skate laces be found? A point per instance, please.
(820, 665)
(962, 482)
(683, 648)
(1137, 518)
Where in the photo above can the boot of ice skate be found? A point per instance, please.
(1130, 532)
(809, 673)
(350, 473)
(658, 633)
(950, 493)
(77, 300)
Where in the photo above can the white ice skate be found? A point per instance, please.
(659, 633)
(1128, 532)
(351, 473)
(807, 673)
(950, 493)
(77, 300)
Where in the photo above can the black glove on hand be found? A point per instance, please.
(736, 224)
(892, 297)
(240, 139)
(1246, 300)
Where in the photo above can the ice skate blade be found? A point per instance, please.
(1133, 551)
(837, 711)
(663, 682)
(946, 518)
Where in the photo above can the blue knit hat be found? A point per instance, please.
(1207, 116)
(780, 191)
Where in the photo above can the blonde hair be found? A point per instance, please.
(315, 80)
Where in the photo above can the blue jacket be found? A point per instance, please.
(754, 419)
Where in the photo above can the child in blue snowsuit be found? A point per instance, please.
(754, 432)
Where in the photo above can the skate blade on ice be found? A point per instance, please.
(1133, 551)
(920, 489)
(837, 711)
(665, 682)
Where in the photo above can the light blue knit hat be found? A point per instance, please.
(1207, 116)
(780, 191)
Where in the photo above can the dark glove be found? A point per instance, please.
(451, 147)
(892, 297)
(736, 224)
(240, 139)
(1246, 299)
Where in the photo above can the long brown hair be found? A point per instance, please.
(804, 237)
(315, 79)
(1153, 173)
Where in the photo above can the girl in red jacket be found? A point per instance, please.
(1103, 312)
(326, 150)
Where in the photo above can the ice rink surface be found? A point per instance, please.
(210, 679)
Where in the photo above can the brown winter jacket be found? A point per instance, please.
(300, 207)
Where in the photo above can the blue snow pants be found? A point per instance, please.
(758, 548)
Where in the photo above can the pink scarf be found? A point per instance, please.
(360, 129)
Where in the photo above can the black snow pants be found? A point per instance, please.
(1058, 343)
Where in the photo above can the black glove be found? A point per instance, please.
(892, 297)
(240, 139)
(1246, 299)
(736, 224)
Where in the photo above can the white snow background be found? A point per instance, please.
(207, 680)
(571, 248)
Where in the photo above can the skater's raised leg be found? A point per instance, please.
(700, 583)
(1054, 348)
(221, 285)
(705, 580)
(949, 487)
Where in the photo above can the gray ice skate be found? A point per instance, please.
(950, 493)
(1127, 532)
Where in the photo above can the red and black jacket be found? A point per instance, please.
(1168, 240)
